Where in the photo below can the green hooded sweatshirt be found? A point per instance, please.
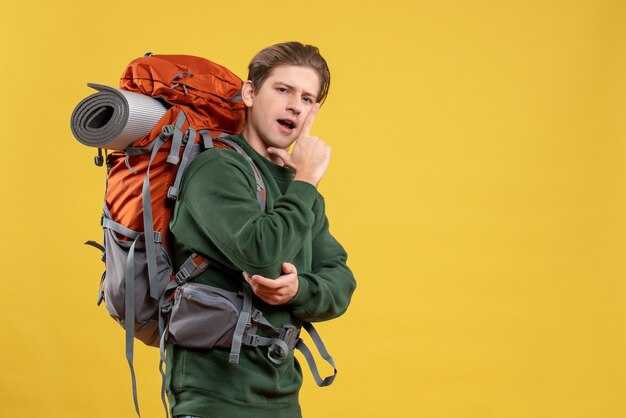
(218, 216)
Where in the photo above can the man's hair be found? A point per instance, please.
(289, 53)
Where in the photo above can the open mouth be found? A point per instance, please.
(286, 124)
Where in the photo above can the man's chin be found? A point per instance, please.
(282, 143)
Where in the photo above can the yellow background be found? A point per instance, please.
(477, 182)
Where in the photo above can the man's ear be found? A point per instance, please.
(247, 93)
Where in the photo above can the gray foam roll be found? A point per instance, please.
(114, 118)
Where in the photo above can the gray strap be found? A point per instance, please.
(148, 226)
(101, 289)
(109, 223)
(127, 161)
(100, 247)
(131, 152)
(173, 86)
(260, 185)
(242, 322)
(172, 192)
(137, 151)
(206, 139)
(162, 343)
(129, 308)
(162, 362)
(278, 349)
(191, 268)
(105, 210)
(327, 381)
(95, 244)
(257, 318)
(177, 140)
(125, 231)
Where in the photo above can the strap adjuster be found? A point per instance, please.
(182, 276)
(167, 131)
(251, 340)
(255, 315)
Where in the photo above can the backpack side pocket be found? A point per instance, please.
(146, 317)
(203, 316)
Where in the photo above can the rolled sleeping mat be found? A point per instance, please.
(114, 118)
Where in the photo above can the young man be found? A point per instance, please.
(287, 255)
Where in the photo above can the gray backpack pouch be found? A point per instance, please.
(117, 266)
(204, 316)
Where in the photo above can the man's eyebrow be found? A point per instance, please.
(290, 87)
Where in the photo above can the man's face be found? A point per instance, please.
(276, 111)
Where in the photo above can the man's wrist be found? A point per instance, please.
(305, 192)
(300, 296)
(307, 179)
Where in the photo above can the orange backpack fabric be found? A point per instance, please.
(208, 95)
(204, 90)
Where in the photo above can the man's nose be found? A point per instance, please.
(295, 104)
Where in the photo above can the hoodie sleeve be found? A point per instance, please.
(324, 292)
(221, 217)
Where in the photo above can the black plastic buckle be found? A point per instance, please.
(99, 159)
(251, 340)
(167, 131)
(289, 334)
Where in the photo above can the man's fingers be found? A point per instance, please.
(265, 282)
(282, 154)
(289, 268)
(308, 122)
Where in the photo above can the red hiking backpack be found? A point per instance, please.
(205, 99)
(143, 181)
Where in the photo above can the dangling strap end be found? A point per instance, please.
(99, 159)
(173, 159)
(101, 289)
(206, 139)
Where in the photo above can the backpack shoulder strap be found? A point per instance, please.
(260, 185)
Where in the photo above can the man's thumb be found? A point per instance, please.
(282, 154)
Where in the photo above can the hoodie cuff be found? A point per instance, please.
(305, 191)
(301, 295)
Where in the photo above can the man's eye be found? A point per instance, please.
(308, 100)
(282, 90)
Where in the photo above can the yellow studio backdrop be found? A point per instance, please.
(477, 182)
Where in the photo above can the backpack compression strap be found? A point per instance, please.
(148, 225)
(129, 290)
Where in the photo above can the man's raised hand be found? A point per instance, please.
(310, 156)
